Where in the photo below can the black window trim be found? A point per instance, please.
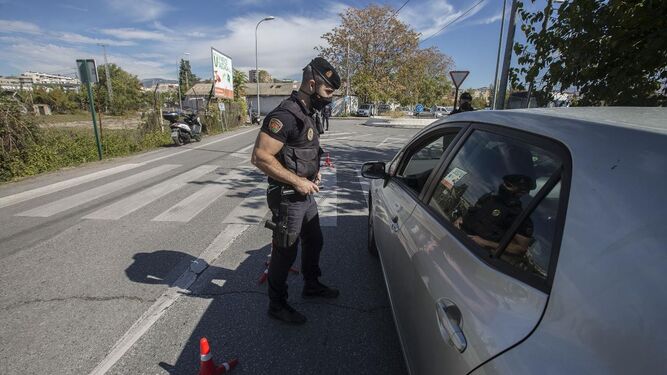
(533, 139)
(442, 129)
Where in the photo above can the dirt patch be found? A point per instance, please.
(107, 123)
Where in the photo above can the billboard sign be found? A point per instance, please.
(222, 75)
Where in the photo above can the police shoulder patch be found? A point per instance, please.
(310, 134)
(275, 125)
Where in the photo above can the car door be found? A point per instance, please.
(394, 201)
(481, 259)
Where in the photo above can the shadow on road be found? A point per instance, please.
(353, 334)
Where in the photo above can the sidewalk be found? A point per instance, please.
(401, 122)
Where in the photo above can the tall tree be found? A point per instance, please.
(127, 94)
(186, 79)
(614, 52)
(384, 57)
(239, 79)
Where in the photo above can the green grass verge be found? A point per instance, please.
(57, 148)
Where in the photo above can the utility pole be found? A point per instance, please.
(108, 75)
(509, 43)
(500, 43)
(347, 86)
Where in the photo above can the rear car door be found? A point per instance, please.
(482, 245)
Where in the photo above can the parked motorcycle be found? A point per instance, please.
(184, 131)
(254, 119)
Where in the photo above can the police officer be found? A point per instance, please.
(465, 104)
(288, 151)
(492, 215)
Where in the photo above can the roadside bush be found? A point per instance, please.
(57, 148)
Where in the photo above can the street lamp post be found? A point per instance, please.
(256, 65)
(187, 84)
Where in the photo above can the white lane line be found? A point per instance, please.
(200, 146)
(333, 135)
(164, 302)
(364, 185)
(79, 199)
(58, 186)
(243, 153)
(389, 142)
(328, 199)
(134, 202)
(194, 204)
(252, 210)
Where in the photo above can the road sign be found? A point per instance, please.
(88, 75)
(458, 76)
(87, 70)
(419, 108)
(221, 106)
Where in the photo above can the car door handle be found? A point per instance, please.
(394, 224)
(449, 321)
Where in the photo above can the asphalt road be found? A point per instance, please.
(121, 266)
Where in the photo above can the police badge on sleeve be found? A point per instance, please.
(310, 134)
(275, 125)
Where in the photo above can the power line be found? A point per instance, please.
(454, 20)
(399, 9)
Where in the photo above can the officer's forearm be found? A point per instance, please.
(272, 167)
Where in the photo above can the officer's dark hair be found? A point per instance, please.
(308, 74)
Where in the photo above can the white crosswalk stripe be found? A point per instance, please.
(364, 185)
(79, 199)
(252, 210)
(62, 185)
(327, 201)
(191, 206)
(136, 201)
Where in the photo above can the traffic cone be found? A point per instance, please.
(207, 367)
(327, 162)
(265, 274)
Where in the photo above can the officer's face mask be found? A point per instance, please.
(318, 101)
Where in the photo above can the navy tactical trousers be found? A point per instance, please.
(302, 218)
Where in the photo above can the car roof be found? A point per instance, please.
(549, 121)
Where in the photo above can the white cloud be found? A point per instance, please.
(10, 26)
(73, 7)
(140, 10)
(24, 54)
(429, 17)
(82, 39)
(489, 20)
(137, 34)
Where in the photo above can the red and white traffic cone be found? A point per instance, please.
(327, 162)
(207, 367)
(265, 274)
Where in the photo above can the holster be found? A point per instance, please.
(280, 229)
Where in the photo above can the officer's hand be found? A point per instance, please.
(306, 187)
(318, 179)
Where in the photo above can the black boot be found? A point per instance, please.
(314, 289)
(286, 313)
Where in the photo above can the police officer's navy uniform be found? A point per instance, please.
(291, 123)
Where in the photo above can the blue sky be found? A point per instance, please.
(147, 37)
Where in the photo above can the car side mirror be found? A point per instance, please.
(374, 170)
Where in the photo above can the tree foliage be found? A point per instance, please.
(186, 79)
(384, 59)
(614, 52)
(239, 79)
(127, 94)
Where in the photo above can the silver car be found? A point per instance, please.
(528, 242)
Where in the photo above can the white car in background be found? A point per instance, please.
(439, 111)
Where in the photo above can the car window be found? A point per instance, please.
(486, 187)
(417, 165)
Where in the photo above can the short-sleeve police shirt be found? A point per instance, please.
(283, 126)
